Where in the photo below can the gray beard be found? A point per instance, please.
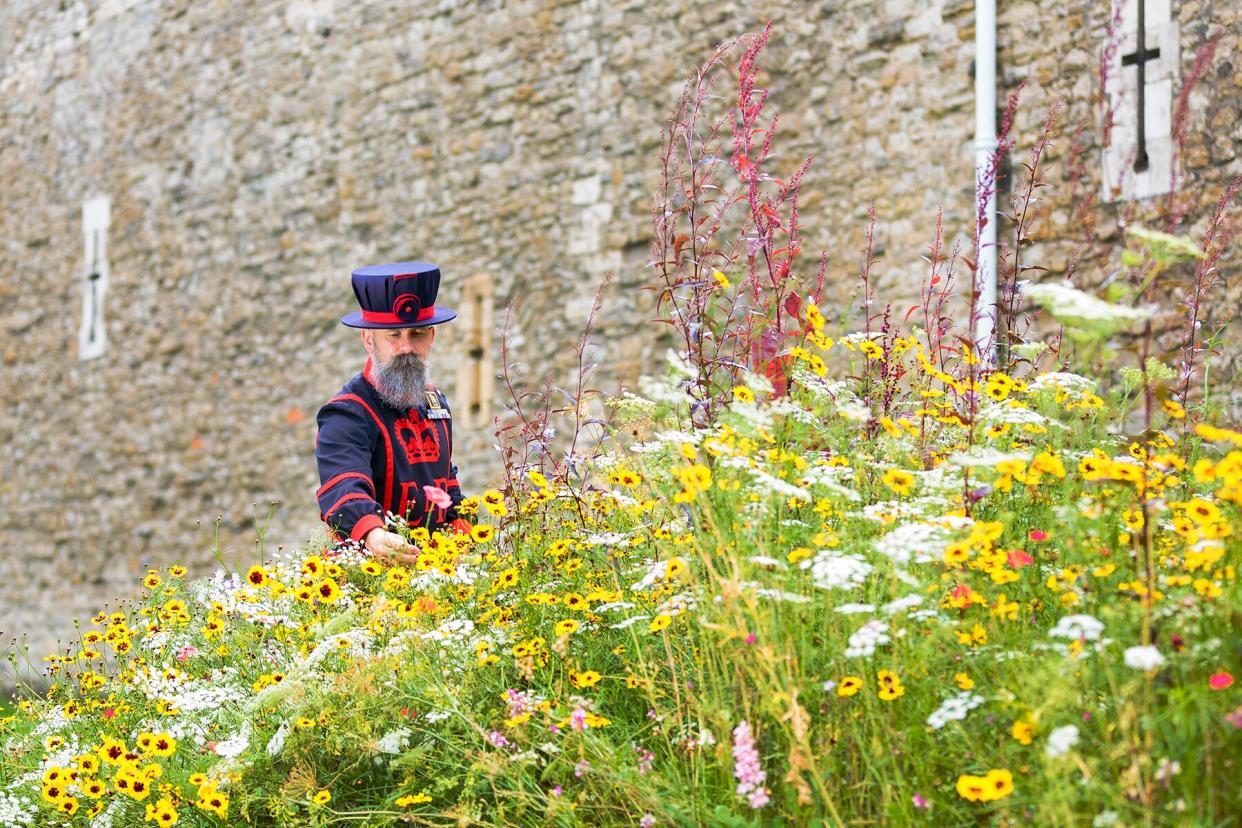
(402, 381)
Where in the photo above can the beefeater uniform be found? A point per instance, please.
(375, 459)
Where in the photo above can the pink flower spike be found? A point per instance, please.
(920, 802)
(437, 496)
(1221, 680)
(1038, 535)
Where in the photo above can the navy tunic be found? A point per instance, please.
(375, 459)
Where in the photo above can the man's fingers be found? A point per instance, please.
(397, 553)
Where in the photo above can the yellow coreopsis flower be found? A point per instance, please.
(899, 480)
(587, 678)
(849, 686)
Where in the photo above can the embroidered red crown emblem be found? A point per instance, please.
(419, 438)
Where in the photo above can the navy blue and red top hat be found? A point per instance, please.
(397, 295)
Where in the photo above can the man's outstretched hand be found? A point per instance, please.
(389, 547)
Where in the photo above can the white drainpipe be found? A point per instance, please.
(985, 146)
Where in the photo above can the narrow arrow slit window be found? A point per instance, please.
(92, 337)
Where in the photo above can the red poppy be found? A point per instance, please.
(1019, 559)
(1221, 680)
(1038, 535)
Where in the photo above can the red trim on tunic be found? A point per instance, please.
(343, 501)
(343, 476)
(387, 443)
(365, 524)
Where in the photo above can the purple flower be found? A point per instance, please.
(647, 821)
(498, 739)
(920, 802)
(558, 790)
(577, 719)
(580, 769)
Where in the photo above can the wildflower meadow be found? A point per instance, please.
(819, 569)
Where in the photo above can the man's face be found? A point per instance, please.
(401, 367)
(383, 345)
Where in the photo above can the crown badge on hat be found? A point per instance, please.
(397, 295)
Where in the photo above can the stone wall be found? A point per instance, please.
(253, 153)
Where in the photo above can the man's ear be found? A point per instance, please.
(368, 341)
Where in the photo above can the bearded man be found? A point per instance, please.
(385, 441)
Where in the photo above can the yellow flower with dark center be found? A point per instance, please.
(1202, 511)
(849, 686)
(963, 681)
(660, 622)
(971, 788)
(176, 571)
(956, 554)
(871, 350)
(814, 317)
(111, 750)
(494, 502)
(323, 797)
(999, 783)
(899, 480)
(567, 626)
(889, 692)
(1023, 731)
(163, 744)
(743, 394)
(162, 812)
(587, 678)
(256, 576)
(482, 532)
(694, 478)
(506, 579)
(327, 591)
(152, 579)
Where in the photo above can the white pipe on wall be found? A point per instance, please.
(985, 146)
